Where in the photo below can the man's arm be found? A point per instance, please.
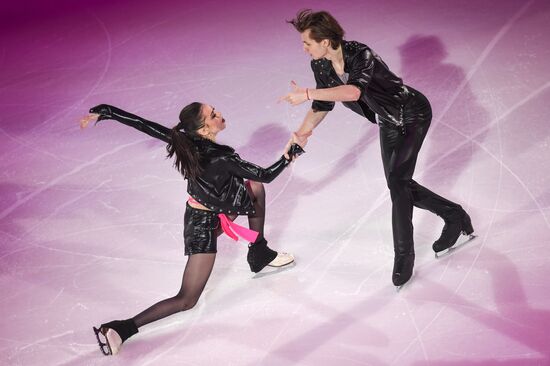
(341, 93)
(312, 119)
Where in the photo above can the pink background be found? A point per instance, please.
(91, 220)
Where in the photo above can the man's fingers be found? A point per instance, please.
(284, 98)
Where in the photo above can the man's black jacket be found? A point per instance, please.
(382, 92)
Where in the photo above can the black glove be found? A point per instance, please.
(295, 151)
(104, 111)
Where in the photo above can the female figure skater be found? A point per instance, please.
(216, 186)
(352, 73)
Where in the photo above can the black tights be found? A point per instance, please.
(256, 221)
(199, 266)
(196, 273)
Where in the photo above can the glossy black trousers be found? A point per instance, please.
(400, 147)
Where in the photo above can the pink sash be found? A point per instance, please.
(231, 229)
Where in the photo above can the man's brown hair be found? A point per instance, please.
(321, 25)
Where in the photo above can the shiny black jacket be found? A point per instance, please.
(220, 186)
(382, 92)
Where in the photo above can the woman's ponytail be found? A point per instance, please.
(187, 157)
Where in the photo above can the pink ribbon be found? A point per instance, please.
(231, 229)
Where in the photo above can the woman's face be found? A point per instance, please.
(213, 119)
(316, 50)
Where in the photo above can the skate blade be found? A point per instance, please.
(456, 246)
(400, 287)
(102, 341)
(269, 271)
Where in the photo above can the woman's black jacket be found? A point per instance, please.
(220, 186)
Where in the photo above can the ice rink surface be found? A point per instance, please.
(91, 220)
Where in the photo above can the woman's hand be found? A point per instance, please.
(297, 96)
(91, 117)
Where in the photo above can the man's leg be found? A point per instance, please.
(399, 155)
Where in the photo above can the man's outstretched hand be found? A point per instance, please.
(298, 95)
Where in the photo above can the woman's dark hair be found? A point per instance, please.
(182, 146)
(321, 25)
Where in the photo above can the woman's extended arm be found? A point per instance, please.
(248, 170)
(153, 129)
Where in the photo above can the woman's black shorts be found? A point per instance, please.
(200, 231)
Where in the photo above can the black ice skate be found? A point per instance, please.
(402, 269)
(114, 334)
(260, 255)
(451, 232)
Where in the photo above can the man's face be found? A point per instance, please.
(316, 50)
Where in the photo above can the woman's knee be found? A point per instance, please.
(186, 302)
